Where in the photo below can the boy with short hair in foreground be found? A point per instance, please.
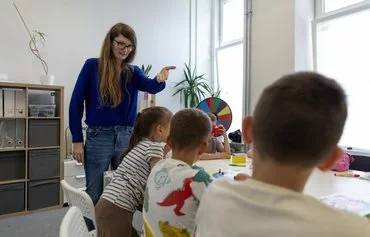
(296, 126)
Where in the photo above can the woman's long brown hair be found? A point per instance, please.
(110, 86)
(145, 122)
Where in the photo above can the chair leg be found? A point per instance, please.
(89, 224)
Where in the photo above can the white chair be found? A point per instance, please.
(73, 224)
(80, 199)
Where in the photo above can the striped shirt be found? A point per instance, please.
(214, 145)
(129, 180)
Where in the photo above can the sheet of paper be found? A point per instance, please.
(359, 205)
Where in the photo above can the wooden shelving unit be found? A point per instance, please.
(11, 118)
(44, 118)
(34, 184)
(42, 148)
(12, 149)
(13, 181)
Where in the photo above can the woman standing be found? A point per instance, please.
(108, 87)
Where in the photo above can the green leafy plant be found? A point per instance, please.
(214, 92)
(146, 69)
(193, 88)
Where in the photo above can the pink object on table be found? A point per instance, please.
(343, 164)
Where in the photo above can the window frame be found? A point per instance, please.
(321, 16)
(320, 13)
(246, 90)
(221, 43)
(244, 40)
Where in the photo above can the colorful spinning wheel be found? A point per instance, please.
(219, 108)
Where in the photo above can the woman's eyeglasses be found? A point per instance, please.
(124, 46)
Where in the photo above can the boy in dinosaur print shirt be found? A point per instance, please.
(175, 186)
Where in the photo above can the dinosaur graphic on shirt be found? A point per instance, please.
(168, 230)
(148, 231)
(178, 197)
(202, 177)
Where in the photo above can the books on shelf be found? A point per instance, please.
(1, 103)
(12, 102)
(9, 102)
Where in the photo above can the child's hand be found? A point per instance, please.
(222, 129)
(241, 177)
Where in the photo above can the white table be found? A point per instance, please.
(320, 184)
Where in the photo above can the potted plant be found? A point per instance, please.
(193, 88)
(37, 38)
(214, 92)
(146, 69)
(151, 103)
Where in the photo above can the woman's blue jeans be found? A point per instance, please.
(103, 147)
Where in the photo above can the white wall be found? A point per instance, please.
(204, 31)
(76, 29)
(281, 41)
(272, 43)
(304, 15)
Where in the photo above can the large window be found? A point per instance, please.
(229, 57)
(232, 20)
(342, 49)
(333, 5)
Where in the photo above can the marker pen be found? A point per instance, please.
(347, 175)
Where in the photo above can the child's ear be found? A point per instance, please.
(247, 130)
(159, 129)
(169, 143)
(330, 161)
(202, 148)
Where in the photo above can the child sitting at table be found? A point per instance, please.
(296, 126)
(122, 196)
(215, 148)
(175, 186)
